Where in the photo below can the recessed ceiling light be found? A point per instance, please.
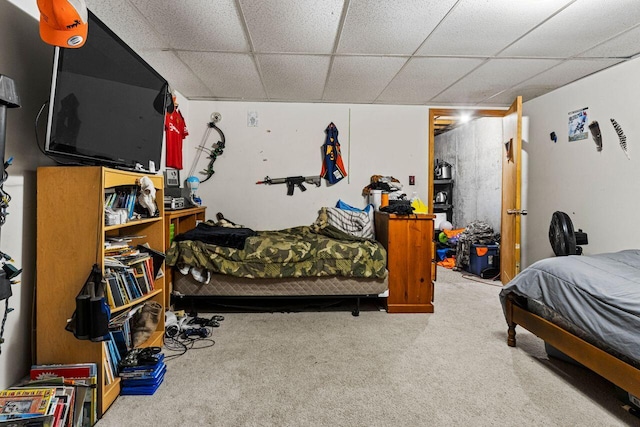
(464, 117)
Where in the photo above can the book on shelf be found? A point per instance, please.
(158, 259)
(123, 197)
(114, 291)
(121, 333)
(113, 357)
(130, 276)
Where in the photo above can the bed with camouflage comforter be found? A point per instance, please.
(292, 261)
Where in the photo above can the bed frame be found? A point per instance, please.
(620, 373)
(186, 289)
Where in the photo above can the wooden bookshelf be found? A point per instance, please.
(70, 239)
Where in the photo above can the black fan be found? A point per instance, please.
(564, 240)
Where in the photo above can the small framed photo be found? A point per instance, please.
(172, 178)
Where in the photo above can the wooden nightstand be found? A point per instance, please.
(409, 244)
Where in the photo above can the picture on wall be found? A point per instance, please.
(578, 125)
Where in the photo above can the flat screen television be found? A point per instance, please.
(107, 105)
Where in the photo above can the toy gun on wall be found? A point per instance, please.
(292, 181)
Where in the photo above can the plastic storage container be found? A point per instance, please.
(482, 257)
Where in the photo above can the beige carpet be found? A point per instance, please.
(328, 368)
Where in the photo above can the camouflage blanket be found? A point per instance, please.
(294, 252)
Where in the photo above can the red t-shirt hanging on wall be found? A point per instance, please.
(176, 130)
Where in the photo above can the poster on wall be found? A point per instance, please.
(578, 125)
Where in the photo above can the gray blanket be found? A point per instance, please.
(599, 294)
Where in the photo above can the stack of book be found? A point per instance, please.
(121, 198)
(130, 272)
(130, 280)
(33, 406)
(54, 396)
(144, 379)
(113, 357)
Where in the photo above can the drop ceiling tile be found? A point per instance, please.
(625, 45)
(506, 98)
(292, 25)
(179, 76)
(563, 74)
(360, 78)
(124, 20)
(227, 75)
(486, 27)
(196, 24)
(492, 77)
(577, 28)
(390, 27)
(423, 78)
(294, 77)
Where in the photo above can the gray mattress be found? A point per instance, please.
(224, 285)
(596, 297)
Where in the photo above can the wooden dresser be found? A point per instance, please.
(409, 244)
(180, 220)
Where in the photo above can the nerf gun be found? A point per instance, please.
(292, 181)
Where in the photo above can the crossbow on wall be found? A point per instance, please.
(216, 149)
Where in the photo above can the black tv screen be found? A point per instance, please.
(107, 104)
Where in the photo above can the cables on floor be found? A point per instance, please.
(189, 333)
(182, 344)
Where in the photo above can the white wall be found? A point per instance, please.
(385, 140)
(32, 74)
(475, 151)
(599, 190)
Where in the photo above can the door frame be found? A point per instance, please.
(475, 113)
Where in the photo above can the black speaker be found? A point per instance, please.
(83, 317)
(99, 324)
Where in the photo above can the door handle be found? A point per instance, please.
(517, 211)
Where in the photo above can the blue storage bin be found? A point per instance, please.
(483, 256)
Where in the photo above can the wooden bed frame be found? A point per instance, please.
(620, 373)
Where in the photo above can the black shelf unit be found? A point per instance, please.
(445, 185)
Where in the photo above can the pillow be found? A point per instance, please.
(342, 205)
(356, 223)
(368, 210)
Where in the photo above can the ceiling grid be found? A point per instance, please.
(408, 52)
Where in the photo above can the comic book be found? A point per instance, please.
(85, 377)
(26, 401)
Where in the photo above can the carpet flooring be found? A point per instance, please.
(328, 368)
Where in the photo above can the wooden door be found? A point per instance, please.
(511, 194)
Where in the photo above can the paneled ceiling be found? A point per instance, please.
(413, 52)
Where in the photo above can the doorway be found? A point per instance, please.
(510, 210)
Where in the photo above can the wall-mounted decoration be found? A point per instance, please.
(594, 127)
(333, 169)
(621, 136)
(577, 125)
(508, 146)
